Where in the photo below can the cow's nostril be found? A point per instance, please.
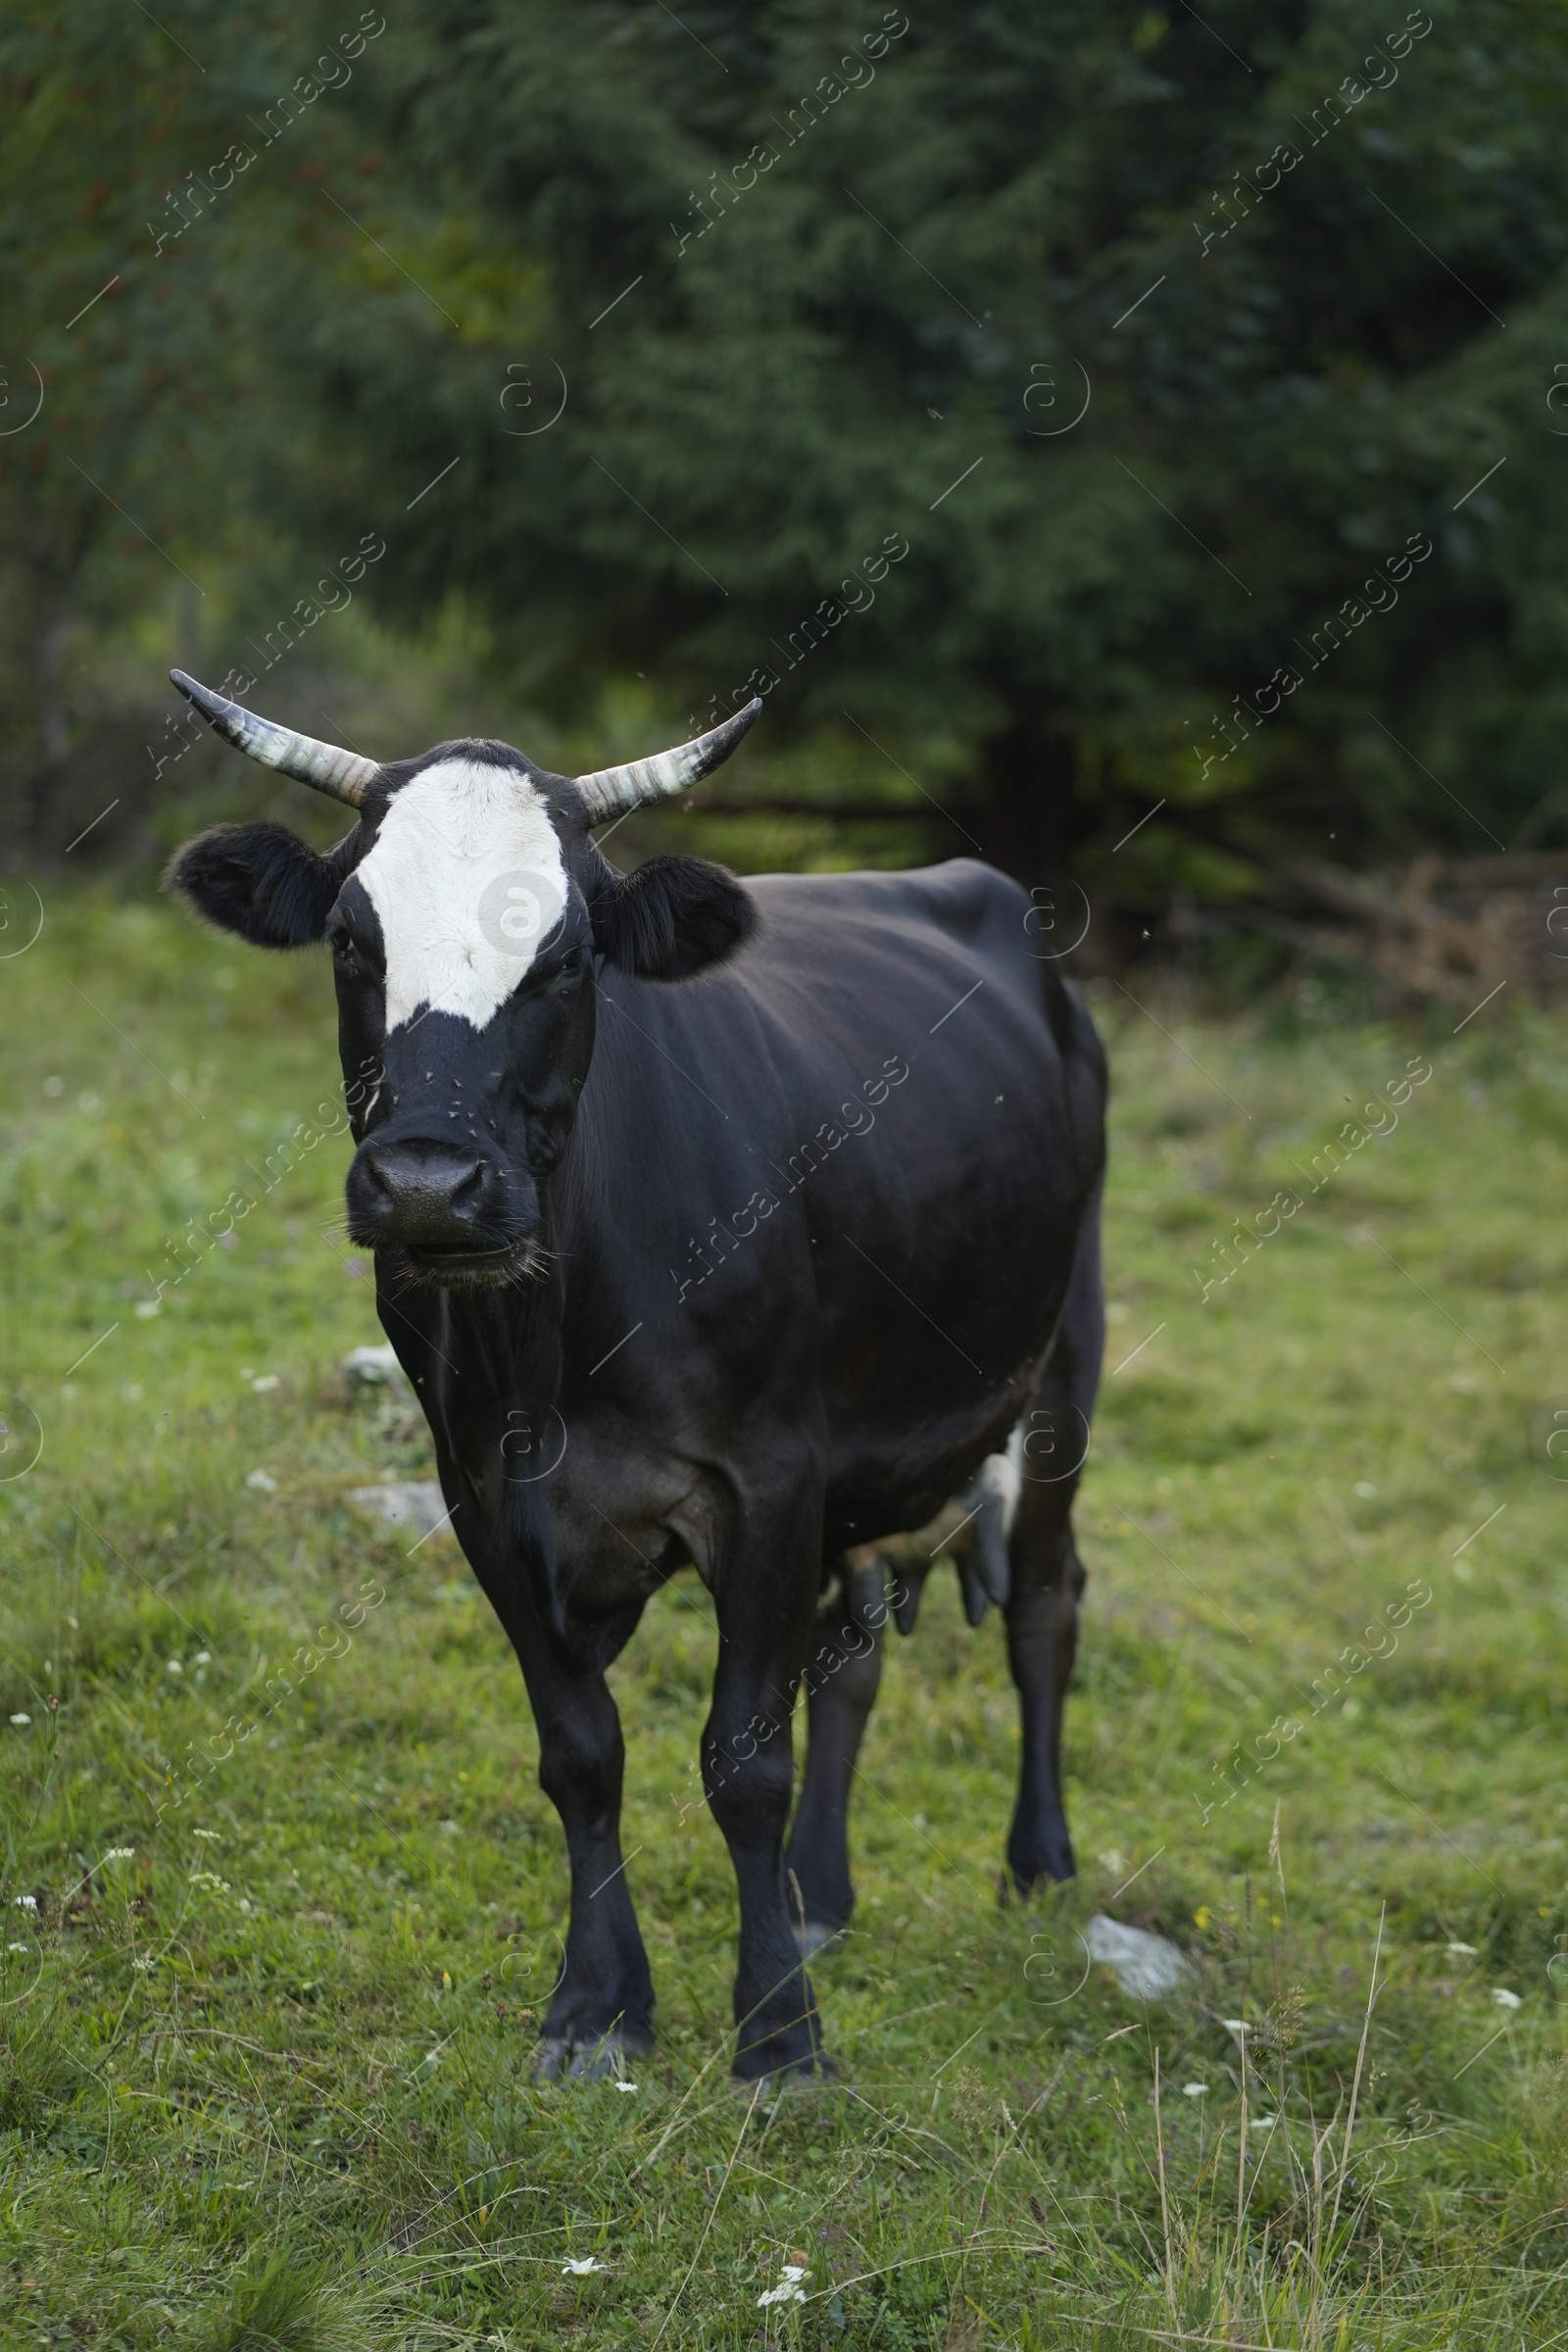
(423, 1193)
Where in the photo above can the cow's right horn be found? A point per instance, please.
(344, 775)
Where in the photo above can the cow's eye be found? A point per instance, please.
(346, 952)
(569, 979)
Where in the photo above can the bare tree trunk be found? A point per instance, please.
(1030, 819)
(53, 639)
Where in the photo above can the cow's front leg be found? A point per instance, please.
(767, 1594)
(601, 2004)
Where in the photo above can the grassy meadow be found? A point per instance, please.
(265, 2077)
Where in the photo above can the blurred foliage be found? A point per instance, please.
(804, 291)
(141, 208)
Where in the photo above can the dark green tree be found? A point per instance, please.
(817, 285)
(1165, 344)
(152, 174)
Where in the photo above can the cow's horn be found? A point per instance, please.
(345, 775)
(612, 791)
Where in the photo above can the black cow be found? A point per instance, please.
(744, 1273)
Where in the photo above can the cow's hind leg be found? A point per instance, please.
(1042, 1640)
(841, 1685)
(1046, 1574)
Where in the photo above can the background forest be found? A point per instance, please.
(1059, 412)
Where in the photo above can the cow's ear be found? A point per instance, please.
(671, 918)
(262, 881)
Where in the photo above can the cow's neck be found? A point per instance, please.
(492, 1372)
(505, 1349)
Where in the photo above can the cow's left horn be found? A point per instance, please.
(345, 775)
(612, 791)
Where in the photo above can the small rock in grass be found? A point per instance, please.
(1143, 1965)
(417, 1505)
(375, 1368)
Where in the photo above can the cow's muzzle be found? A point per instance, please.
(451, 1212)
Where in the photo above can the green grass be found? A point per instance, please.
(264, 2078)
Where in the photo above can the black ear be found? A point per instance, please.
(262, 881)
(671, 918)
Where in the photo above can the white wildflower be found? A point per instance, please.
(1237, 2025)
(174, 1666)
(205, 1878)
(1195, 2090)
(623, 2085)
(119, 1853)
(16, 1947)
(264, 1380)
(212, 1834)
(204, 1657)
(1467, 1949)
(26, 1902)
(788, 2288)
(263, 1480)
(1506, 2000)
(578, 2266)
(22, 1718)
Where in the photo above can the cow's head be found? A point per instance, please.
(465, 912)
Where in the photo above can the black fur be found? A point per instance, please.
(262, 881)
(671, 918)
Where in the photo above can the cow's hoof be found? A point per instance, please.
(1035, 1871)
(815, 1935)
(793, 2054)
(610, 2057)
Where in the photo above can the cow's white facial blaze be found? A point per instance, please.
(467, 879)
